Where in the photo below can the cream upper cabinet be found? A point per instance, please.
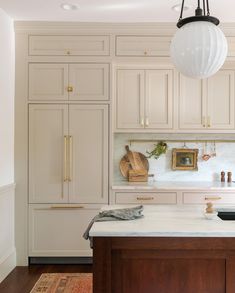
(48, 125)
(144, 99)
(79, 81)
(130, 99)
(192, 103)
(69, 45)
(158, 99)
(220, 94)
(207, 104)
(89, 82)
(68, 153)
(88, 129)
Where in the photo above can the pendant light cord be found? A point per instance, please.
(204, 7)
(182, 9)
(208, 8)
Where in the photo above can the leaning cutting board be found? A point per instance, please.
(133, 161)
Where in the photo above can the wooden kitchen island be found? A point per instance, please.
(172, 249)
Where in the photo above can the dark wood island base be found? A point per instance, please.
(163, 265)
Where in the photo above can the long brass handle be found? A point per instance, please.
(145, 198)
(65, 158)
(70, 158)
(55, 207)
(213, 198)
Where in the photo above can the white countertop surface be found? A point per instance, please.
(166, 221)
(161, 185)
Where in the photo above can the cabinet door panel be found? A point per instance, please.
(69, 45)
(221, 100)
(47, 126)
(48, 82)
(88, 126)
(130, 99)
(90, 82)
(56, 230)
(159, 98)
(192, 103)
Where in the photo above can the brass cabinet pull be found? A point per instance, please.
(209, 121)
(68, 52)
(147, 122)
(213, 198)
(65, 158)
(204, 121)
(70, 155)
(70, 89)
(145, 198)
(74, 207)
(142, 121)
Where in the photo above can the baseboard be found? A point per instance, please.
(7, 265)
(60, 260)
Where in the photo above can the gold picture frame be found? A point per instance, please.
(184, 159)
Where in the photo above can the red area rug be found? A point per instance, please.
(64, 283)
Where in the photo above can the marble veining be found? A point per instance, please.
(167, 221)
(161, 168)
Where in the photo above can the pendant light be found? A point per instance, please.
(199, 48)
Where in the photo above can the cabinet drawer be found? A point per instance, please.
(145, 198)
(56, 230)
(142, 46)
(69, 45)
(202, 198)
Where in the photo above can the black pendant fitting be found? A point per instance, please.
(186, 20)
(200, 15)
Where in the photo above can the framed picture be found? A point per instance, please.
(184, 159)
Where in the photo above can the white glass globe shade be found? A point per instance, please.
(199, 49)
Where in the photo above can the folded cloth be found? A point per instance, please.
(115, 215)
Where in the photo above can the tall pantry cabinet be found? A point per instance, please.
(68, 140)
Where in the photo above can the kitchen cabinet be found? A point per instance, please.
(62, 45)
(207, 104)
(60, 81)
(145, 197)
(68, 153)
(144, 99)
(56, 230)
(142, 46)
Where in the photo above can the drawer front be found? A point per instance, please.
(56, 230)
(202, 198)
(69, 46)
(142, 46)
(145, 198)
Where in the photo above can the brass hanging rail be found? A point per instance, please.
(131, 141)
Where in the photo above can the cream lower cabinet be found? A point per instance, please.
(56, 230)
(68, 153)
(144, 99)
(68, 176)
(207, 104)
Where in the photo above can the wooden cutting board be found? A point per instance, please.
(133, 161)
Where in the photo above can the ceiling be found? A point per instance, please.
(110, 10)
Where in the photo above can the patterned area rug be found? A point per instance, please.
(64, 283)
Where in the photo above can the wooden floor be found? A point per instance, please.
(22, 279)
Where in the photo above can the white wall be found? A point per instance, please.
(161, 168)
(7, 65)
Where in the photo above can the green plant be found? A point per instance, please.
(159, 149)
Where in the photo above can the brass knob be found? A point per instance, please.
(69, 89)
(68, 53)
(145, 53)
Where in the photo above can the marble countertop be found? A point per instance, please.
(166, 221)
(161, 185)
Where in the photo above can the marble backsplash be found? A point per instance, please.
(161, 168)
